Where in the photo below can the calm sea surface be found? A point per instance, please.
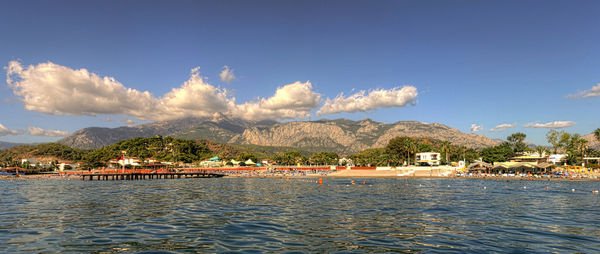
(274, 215)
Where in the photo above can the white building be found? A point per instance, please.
(134, 161)
(430, 158)
(32, 161)
(556, 158)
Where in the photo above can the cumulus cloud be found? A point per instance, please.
(295, 100)
(194, 98)
(503, 127)
(592, 92)
(363, 101)
(551, 125)
(6, 131)
(36, 131)
(54, 89)
(227, 74)
(476, 128)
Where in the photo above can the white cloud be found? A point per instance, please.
(194, 98)
(129, 121)
(361, 101)
(227, 74)
(6, 131)
(476, 128)
(503, 127)
(54, 89)
(551, 125)
(592, 92)
(36, 131)
(294, 100)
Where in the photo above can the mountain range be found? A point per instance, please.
(7, 145)
(342, 135)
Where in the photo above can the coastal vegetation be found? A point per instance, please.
(399, 151)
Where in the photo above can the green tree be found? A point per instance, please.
(324, 158)
(517, 141)
(291, 157)
(578, 146)
(446, 149)
(497, 153)
(553, 138)
(373, 157)
(399, 146)
(541, 150)
(597, 134)
(247, 156)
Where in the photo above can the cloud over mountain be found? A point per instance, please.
(476, 128)
(363, 101)
(58, 90)
(6, 131)
(290, 101)
(54, 89)
(36, 131)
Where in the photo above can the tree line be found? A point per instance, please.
(398, 151)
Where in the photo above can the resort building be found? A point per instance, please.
(119, 162)
(556, 158)
(428, 159)
(31, 161)
(150, 160)
(345, 162)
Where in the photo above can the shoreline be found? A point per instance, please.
(372, 175)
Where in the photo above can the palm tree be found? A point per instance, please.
(540, 150)
(446, 150)
(409, 146)
(581, 145)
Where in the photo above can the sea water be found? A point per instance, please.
(299, 215)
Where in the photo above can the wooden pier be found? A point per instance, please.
(143, 176)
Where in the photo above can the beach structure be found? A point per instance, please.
(480, 167)
(588, 159)
(211, 163)
(428, 159)
(521, 167)
(529, 158)
(150, 175)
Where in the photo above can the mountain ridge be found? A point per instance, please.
(339, 135)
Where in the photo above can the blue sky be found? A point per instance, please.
(472, 62)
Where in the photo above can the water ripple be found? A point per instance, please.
(299, 216)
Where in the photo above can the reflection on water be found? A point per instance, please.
(274, 215)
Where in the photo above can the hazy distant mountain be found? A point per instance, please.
(7, 145)
(592, 141)
(342, 135)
